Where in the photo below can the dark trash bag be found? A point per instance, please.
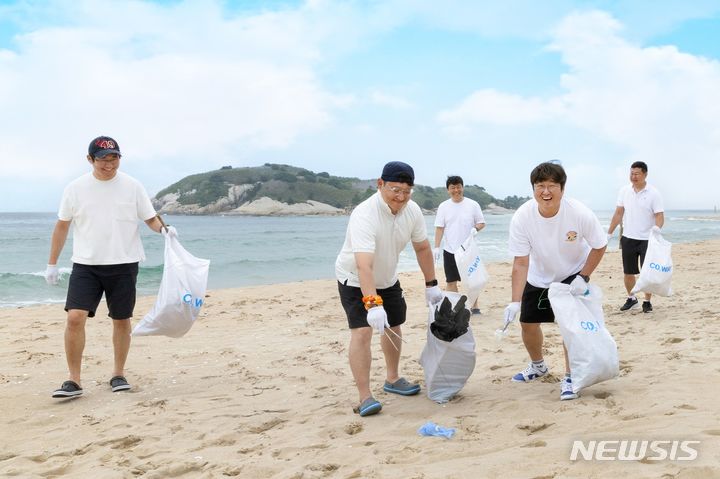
(451, 323)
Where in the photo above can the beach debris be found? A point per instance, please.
(450, 322)
(432, 429)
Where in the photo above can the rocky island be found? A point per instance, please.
(283, 190)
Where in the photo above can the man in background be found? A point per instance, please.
(640, 210)
(366, 269)
(104, 206)
(456, 218)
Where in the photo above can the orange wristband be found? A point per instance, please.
(370, 301)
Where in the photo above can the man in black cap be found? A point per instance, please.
(366, 269)
(104, 207)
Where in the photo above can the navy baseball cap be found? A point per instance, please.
(103, 145)
(399, 172)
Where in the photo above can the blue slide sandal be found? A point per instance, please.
(402, 387)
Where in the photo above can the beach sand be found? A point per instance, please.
(260, 388)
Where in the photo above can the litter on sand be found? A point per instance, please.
(432, 429)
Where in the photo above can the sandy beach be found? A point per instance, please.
(261, 388)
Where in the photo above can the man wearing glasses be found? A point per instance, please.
(366, 269)
(552, 239)
(104, 207)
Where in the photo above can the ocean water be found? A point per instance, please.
(251, 250)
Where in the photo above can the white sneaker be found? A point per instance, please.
(529, 373)
(566, 390)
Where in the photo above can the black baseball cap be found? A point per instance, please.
(103, 145)
(399, 172)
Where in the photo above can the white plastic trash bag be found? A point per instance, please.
(447, 365)
(181, 295)
(471, 268)
(656, 272)
(592, 351)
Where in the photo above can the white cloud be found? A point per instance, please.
(492, 106)
(390, 101)
(188, 86)
(173, 81)
(656, 104)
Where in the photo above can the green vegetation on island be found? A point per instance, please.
(291, 184)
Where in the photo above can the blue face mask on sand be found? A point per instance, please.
(432, 429)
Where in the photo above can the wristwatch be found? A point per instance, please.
(430, 284)
(585, 277)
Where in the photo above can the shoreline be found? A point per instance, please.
(408, 274)
(260, 387)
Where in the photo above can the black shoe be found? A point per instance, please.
(647, 307)
(119, 383)
(629, 304)
(68, 389)
(475, 311)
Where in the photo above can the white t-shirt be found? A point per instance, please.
(640, 209)
(374, 229)
(557, 246)
(458, 219)
(105, 216)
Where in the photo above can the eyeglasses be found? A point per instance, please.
(552, 188)
(396, 190)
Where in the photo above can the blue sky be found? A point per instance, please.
(485, 90)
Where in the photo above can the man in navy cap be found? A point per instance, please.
(104, 206)
(366, 269)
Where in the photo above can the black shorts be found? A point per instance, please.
(450, 265)
(535, 306)
(632, 249)
(393, 302)
(117, 281)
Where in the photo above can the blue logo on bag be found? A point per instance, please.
(474, 265)
(592, 326)
(661, 268)
(194, 302)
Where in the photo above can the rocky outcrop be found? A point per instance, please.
(234, 204)
(170, 203)
(493, 209)
(268, 207)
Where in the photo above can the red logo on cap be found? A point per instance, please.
(105, 144)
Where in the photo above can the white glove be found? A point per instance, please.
(433, 295)
(377, 319)
(609, 236)
(578, 287)
(511, 312)
(171, 232)
(655, 229)
(473, 232)
(52, 274)
(437, 255)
